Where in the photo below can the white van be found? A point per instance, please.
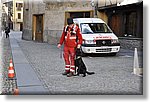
(97, 36)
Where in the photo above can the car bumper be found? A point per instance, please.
(102, 49)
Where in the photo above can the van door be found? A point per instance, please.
(37, 33)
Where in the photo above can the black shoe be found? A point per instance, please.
(71, 74)
(65, 73)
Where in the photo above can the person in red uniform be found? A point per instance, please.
(72, 39)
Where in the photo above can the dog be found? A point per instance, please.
(80, 66)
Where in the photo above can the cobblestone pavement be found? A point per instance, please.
(113, 74)
(7, 86)
(111, 78)
(1, 71)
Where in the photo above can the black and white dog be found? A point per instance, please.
(80, 66)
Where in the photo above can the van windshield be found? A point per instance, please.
(88, 28)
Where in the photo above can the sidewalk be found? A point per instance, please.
(27, 80)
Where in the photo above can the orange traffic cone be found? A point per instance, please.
(11, 72)
(16, 91)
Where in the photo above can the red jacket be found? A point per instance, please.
(71, 36)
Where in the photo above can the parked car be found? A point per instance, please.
(97, 36)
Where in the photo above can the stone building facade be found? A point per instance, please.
(0, 16)
(6, 11)
(17, 15)
(125, 18)
(44, 19)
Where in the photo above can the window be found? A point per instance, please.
(19, 6)
(84, 14)
(80, 14)
(19, 15)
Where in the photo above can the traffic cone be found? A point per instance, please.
(136, 69)
(11, 72)
(16, 91)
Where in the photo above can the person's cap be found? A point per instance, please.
(69, 21)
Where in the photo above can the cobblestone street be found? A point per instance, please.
(110, 78)
(1, 71)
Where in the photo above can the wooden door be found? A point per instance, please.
(37, 33)
(115, 24)
(131, 23)
(21, 26)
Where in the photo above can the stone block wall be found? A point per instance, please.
(52, 36)
(131, 43)
(27, 34)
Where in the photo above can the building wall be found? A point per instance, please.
(6, 13)
(131, 43)
(0, 16)
(17, 22)
(54, 16)
(117, 18)
(31, 7)
(103, 16)
(108, 2)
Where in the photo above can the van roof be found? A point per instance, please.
(88, 20)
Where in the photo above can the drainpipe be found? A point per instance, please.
(96, 8)
(94, 5)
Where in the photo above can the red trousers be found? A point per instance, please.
(69, 56)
